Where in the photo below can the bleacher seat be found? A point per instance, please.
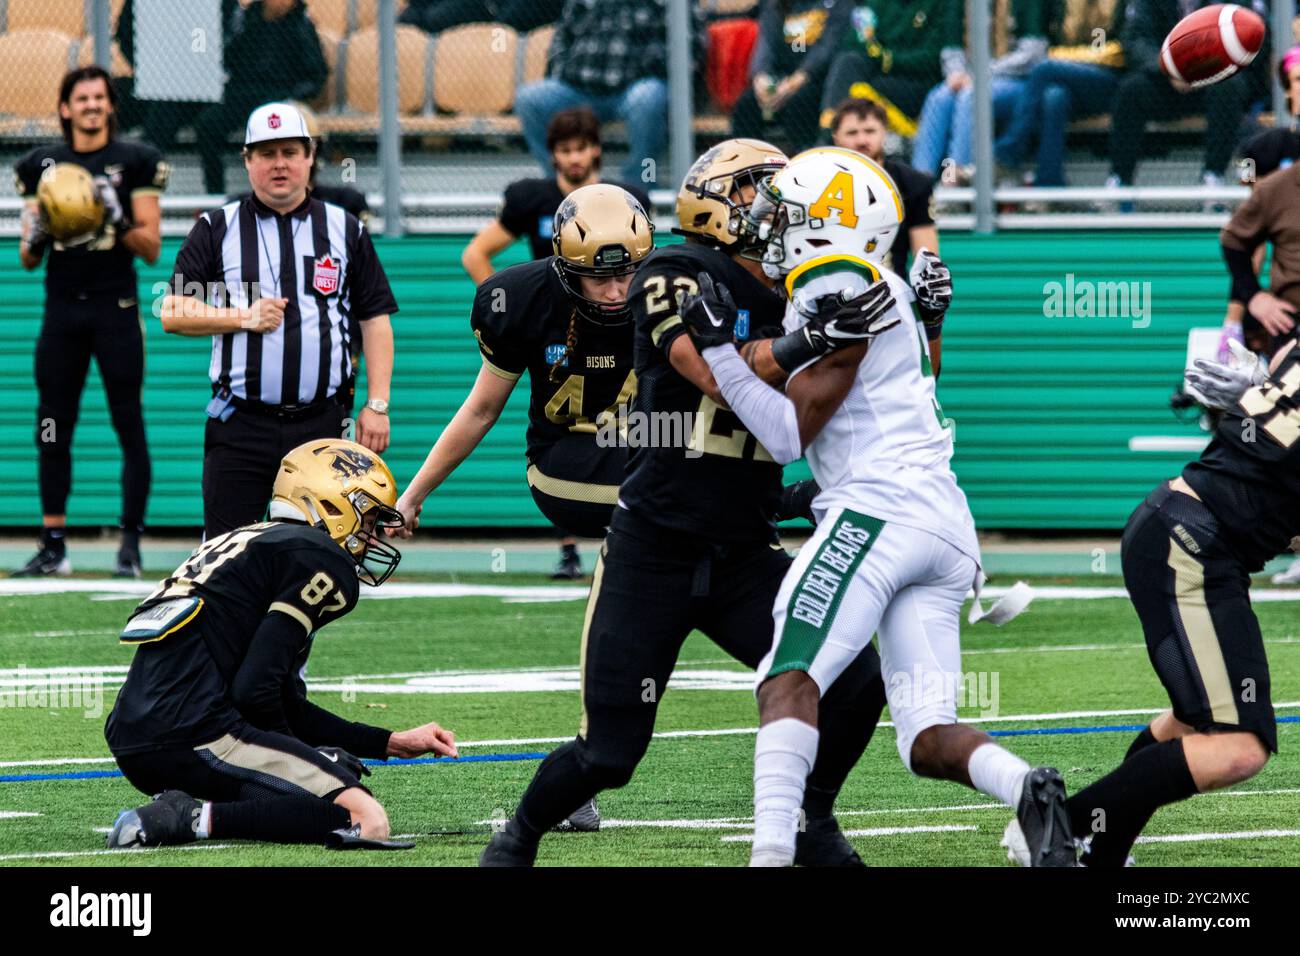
(63, 16)
(118, 64)
(536, 47)
(330, 15)
(32, 63)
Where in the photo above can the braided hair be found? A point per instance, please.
(570, 343)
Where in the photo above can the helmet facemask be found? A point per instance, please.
(610, 261)
(375, 558)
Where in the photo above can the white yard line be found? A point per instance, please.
(1213, 837)
(870, 832)
(14, 814)
(61, 854)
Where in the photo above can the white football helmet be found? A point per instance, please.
(826, 201)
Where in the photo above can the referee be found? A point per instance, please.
(91, 304)
(274, 278)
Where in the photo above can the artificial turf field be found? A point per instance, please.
(501, 671)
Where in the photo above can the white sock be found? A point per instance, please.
(783, 757)
(205, 821)
(997, 772)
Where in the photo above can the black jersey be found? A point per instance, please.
(105, 266)
(917, 192)
(1249, 476)
(723, 486)
(178, 687)
(525, 321)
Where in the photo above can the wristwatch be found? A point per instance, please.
(378, 406)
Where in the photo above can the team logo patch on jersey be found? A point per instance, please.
(555, 354)
(546, 226)
(325, 276)
(742, 324)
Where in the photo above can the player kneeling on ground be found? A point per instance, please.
(214, 715)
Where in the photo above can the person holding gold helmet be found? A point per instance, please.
(214, 716)
(91, 203)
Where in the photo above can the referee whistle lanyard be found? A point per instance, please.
(266, 249)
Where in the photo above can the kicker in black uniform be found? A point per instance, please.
(693, 541)
(214, 716)
(1188, 553)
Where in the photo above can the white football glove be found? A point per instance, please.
(113, 212)
(932, 282)
(1221, 384)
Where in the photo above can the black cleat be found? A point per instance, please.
(1044, 821)
(569, 567)
(508, 849)
(45, 563)
(821, 843)
(172, 819)
(128, 564)
(585, 819)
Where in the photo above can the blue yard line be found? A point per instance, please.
(538, 755)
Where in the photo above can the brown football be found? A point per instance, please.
(1211, 44)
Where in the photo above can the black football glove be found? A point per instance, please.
(932, 282)
(709, 314)
(347, 761)
(841, 320)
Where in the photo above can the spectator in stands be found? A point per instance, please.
(272, 53)
(1146, 94)
(434, 16)
(610, 56)
(891, 56)
(528, 209)
(1021, 32)
(1074, 82)
(1278, 147)
(796, 41)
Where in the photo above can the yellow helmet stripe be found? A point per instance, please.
(821, 263)
(865, 160)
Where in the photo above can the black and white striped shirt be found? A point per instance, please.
(317, 256)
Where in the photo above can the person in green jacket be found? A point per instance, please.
(272, 53)
(891, 56)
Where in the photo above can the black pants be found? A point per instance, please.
(1193, 598)
(575, 483)
(908, 93)
(435, 16)
(109, 328)
(244, 763)
(794, 125)
(651, 588)
(1143, 97)
(241, 457)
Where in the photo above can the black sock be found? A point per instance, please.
(846, 720)
(569, 550)
(52, 539)
(1121, 803)
(1141, 742)
(559, 787)
(130, 540)
(277, 820)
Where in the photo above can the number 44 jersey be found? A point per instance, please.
(693, 466)
(178, 687)
(887, 450)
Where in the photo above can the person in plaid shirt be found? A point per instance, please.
(610, 56)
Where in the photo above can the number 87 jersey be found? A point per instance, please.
(693, 467)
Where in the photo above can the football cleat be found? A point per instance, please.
(172, 819)
(569, 567)
(46, 562)
(585, 819)
(508, 849)
(128, 564)
(1042, 823)
(821, 843)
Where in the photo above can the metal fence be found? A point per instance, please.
(1027, 113)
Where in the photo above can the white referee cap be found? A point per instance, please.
(275, 121)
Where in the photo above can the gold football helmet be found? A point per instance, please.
(709, 205)
(599, 230)
(70, 200)
(345, 488)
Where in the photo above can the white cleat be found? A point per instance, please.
(770, 856)
(1290, 576)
